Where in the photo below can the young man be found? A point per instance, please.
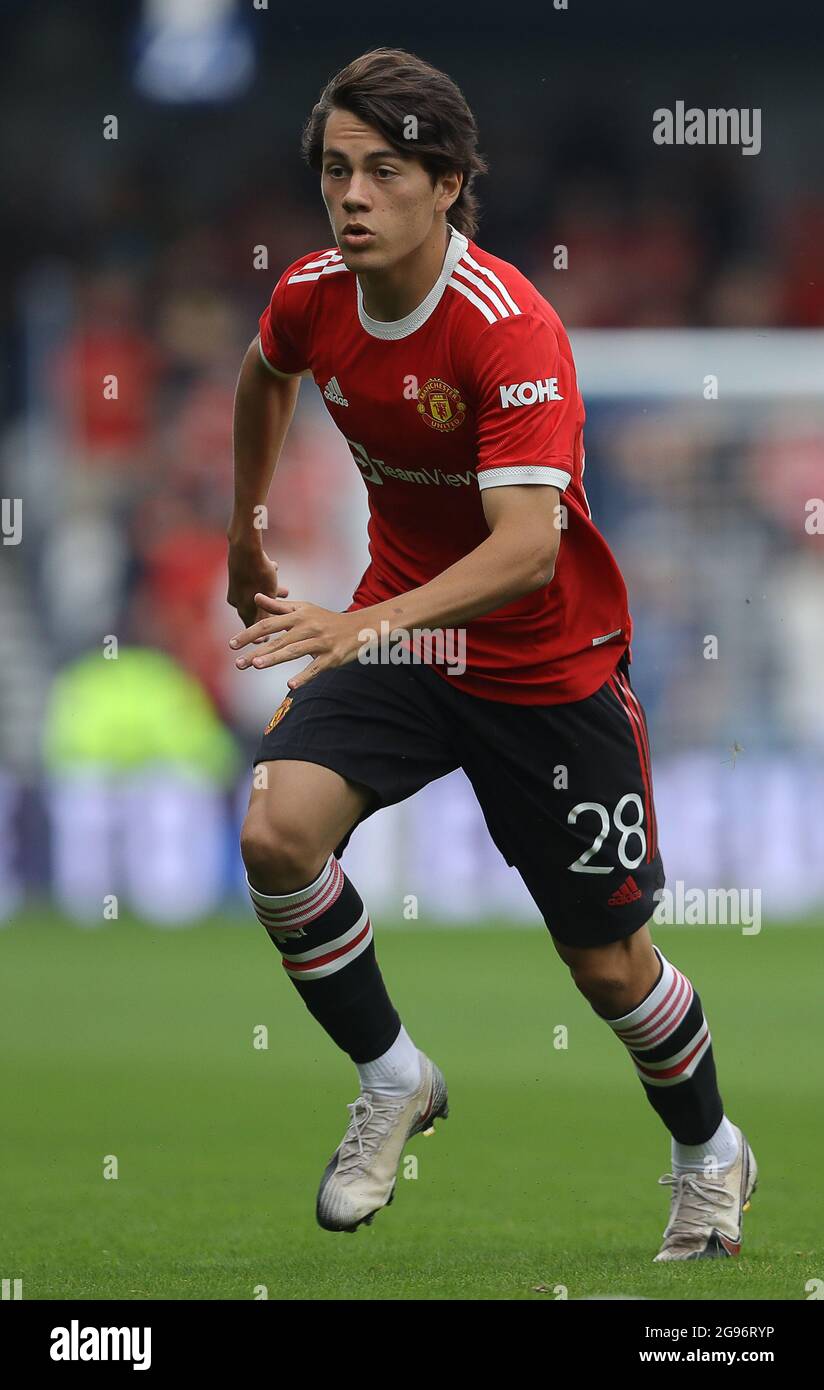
(453, 383)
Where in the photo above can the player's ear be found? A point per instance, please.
(450, 185)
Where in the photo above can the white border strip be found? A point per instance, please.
(523, 473)
(287, 376)
(775, 362)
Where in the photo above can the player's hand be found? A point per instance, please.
(251, 573)
(300, 629)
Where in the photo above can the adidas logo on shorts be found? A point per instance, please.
(629, 892)
(333, 393)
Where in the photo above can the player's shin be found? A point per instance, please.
(669, 1041)
(324, 936)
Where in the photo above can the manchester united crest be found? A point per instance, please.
(440, 405)
(282, 709)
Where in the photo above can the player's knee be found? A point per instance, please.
(279, 857)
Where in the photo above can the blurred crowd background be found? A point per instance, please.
(140, 257)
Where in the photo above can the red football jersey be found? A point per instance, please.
(475, 388)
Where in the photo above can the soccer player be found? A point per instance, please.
(453, 384)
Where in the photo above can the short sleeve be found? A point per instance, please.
(279, 339)
(528, 409)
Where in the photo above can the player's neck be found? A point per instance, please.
(392, 294)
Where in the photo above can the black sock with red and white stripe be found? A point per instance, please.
(669, 1041)
(325, 940)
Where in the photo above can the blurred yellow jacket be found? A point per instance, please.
(132, 710)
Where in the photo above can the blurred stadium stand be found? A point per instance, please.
(136, 257)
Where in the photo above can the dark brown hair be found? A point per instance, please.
(386, 86)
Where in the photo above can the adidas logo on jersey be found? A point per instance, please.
(528, 392)
(333, 393)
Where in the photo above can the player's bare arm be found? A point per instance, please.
(517, 557)
(264, 405)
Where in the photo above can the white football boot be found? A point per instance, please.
(360, 1176)
(706, 1212)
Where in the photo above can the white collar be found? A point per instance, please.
(401, 328)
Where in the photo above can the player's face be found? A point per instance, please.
(381, 206)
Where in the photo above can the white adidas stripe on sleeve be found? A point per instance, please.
(490, 275)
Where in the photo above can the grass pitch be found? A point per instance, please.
(135, 1043)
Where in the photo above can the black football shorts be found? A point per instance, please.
(566, 790)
